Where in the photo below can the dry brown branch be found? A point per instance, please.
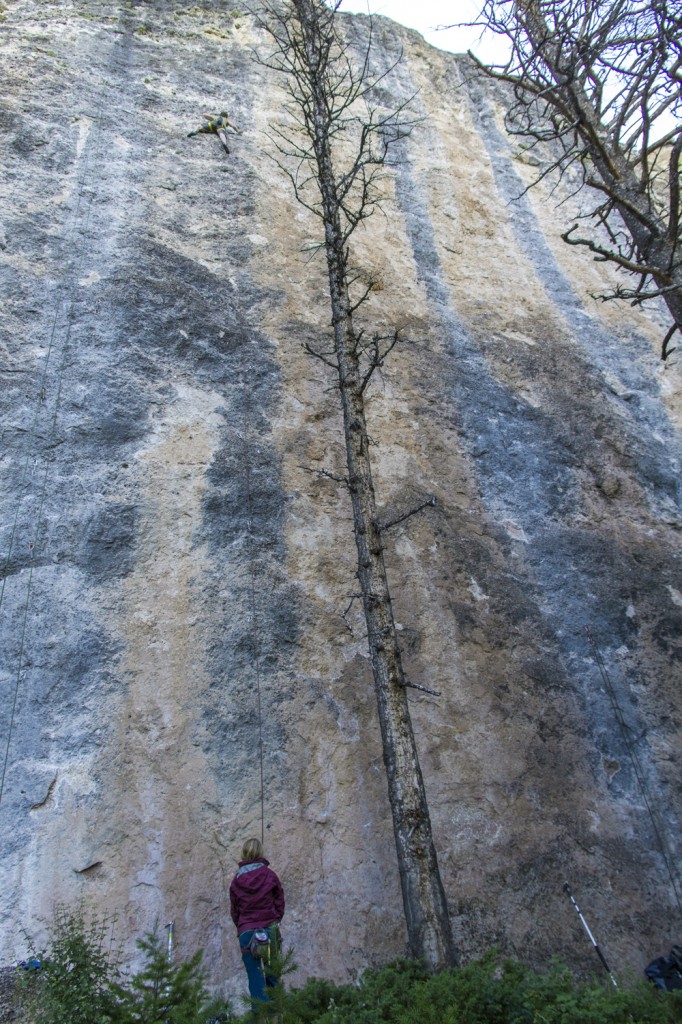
(598, 82)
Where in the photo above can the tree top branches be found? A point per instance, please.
(602, 81)
(317, 59)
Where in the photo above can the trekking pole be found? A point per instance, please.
(567, 890)
(171, 929)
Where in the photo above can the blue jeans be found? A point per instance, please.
(256, 970)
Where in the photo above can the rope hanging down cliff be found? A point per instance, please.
(65, 305)
(255, 633)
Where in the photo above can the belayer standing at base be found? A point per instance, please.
(257, 906)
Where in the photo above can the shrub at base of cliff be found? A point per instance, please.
(74, 982)
(280, 964)
(79, 981)
(168, 992)
(485, 992)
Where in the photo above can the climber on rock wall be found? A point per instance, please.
(216, 126)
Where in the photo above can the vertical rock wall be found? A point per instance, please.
(172, 559)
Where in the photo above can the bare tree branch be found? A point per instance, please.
(344, 614)
(387, 523)
(377, 355)
(599, 81)
(665, 351)
(322, 356)
(603, 254)
(424, 689)
(327, 475)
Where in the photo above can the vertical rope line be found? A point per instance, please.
(252, 590)
(636, 764)
(66, 298)
(16, 686)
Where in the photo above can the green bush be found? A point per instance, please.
(488, 991)
(167, 993)
(279, 964)
(77, 973)
(79, 983)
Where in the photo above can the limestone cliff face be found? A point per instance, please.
(171, 560)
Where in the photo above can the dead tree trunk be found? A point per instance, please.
(307, 41)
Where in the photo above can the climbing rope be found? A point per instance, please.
(252, 601)
(65, 304)
(636, 764)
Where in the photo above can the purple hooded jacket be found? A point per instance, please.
(256, 896)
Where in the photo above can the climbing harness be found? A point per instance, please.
(636, 765)
(567, 890)
(263, 946)
(259, 946)
(216, 126)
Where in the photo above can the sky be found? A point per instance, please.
(425, 15)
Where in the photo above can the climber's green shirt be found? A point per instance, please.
(213, 125)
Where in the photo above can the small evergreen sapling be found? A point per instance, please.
(76, 975)
(272, 1010)
(167, 993)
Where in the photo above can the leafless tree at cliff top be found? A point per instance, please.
(328, 116)
(603, 80)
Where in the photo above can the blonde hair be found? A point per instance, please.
(252, 849)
